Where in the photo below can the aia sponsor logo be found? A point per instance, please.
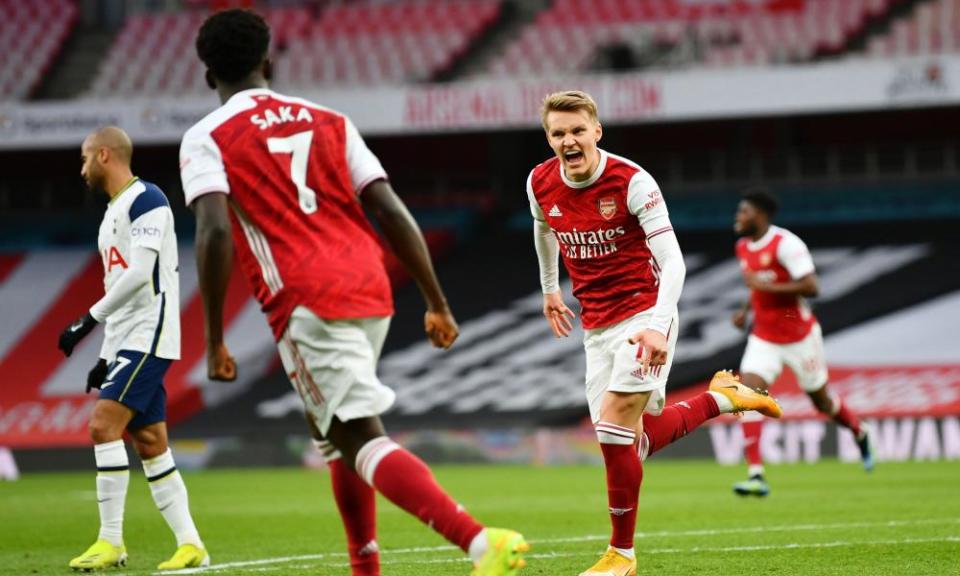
(111, 258)
(607, 207)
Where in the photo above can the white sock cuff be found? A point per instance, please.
(327, 450)
(723, 403)
(111, 456)
(371, 454)
(608, 433)
(755, 470)
(159, 467)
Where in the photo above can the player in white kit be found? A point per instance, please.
(141, 315)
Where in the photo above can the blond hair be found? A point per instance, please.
(568, 101)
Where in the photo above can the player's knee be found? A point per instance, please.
(102, 431)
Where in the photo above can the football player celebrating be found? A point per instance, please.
(778, 270)
(141, 316)
(606, 216)
(290, 180)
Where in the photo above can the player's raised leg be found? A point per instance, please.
(169, 494)
(726, 395)
(833, 406)
(107, 422)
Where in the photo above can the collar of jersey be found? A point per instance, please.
(250, 92)
(764, 240)
(593, 177)
(126, 187)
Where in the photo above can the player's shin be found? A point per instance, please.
(357, 504)
(407, 482)
(170, 495)
(113, 477)
(676, 421)
(624, 475)
(752, 427)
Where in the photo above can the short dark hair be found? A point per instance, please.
(762, 199)
(232, 43)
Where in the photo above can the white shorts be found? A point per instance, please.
(613, 366)
(805, 358)
(332, 364)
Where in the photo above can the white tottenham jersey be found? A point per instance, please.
(150, 321)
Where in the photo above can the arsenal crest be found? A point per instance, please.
(765, 259)
(608, 207)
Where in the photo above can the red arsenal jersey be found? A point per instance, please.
(780, 256)
(292, 171)
(602, 225)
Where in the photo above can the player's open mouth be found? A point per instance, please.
(573, 156)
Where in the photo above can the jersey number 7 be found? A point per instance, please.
(298, 146)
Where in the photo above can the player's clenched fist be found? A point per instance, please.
(653, 349)
(441, 327)
(558, 315)
(220, 364)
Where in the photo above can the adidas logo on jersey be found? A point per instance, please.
(555, 212)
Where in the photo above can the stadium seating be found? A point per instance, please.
(567, 36)
(357, 43)
(31, 35)
(931, 28)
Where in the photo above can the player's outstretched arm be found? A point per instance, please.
(405, 239)
(214, 263)
(807, 286)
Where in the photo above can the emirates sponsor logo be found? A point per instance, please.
(590, 237)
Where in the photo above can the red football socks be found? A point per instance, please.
(676, 421)
(407, 482)
(845, 417)
(357, 503)
(752, 430)
(624, 476)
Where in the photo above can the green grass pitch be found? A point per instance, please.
(826, 518)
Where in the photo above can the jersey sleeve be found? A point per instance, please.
(150, 216)
(364, 165)
(794, 255)
(645, 201)
(201, 166)
(535, 210)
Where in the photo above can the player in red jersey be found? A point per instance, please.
(290, 180)
(606, 216)
(778, 269)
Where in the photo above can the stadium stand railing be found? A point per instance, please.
(567, 37)
(31, 35)
(931, 28)
(358, 43)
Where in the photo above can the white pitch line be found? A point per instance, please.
(591, 538)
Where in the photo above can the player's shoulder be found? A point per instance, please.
(309, 104)
(237, 104)
(621, 164)
(549, 168)
(786, 235)
(147, 196)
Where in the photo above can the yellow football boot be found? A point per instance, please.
(612, 563)
(504, 555)
(100, 556)
(744, 398)
(186, 556)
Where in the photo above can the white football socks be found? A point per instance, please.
(478, 546)
(723, 403)
(113, 477)
(170, 495)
